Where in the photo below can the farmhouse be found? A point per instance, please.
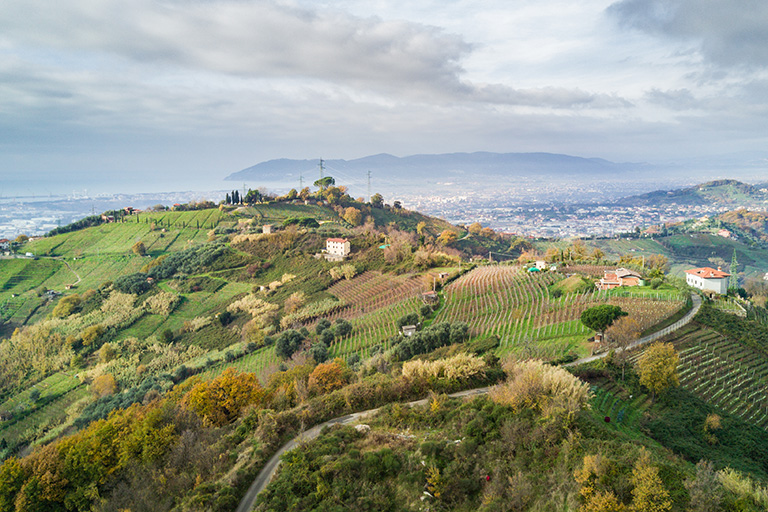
(5, 244)
(336, 249)
(618, 278)
(708, 279)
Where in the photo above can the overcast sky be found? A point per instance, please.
(208, 87)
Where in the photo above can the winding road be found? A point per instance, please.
(269, 470)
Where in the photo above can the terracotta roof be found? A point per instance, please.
(623, 272)
(708, 273)
(339, 240)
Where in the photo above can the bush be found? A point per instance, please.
(288, 343)
(133, 283)
(541, 387)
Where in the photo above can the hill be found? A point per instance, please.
(442, 166)
(172, 371)
(727, 193)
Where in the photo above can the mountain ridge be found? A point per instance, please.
(429, 164)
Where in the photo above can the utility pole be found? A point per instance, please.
(369, 186)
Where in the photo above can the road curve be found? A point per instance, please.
(695, 298)
(269, 470)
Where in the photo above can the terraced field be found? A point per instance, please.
(725, 373)
(516, 306)
(623, 411)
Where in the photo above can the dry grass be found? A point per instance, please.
(542, 387)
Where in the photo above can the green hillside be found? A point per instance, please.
(729, 193)
(180, 371)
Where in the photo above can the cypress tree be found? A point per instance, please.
(733, 281)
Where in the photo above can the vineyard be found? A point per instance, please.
(41, 420)
(374, 303)
(517, 306)
(725, 373)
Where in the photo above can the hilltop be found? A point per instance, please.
(728, 193)
(156, 360)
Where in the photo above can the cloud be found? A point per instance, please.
(727, 34)
(554, 97)
(267, 40)
(254, 39)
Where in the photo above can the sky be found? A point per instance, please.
(181, 91)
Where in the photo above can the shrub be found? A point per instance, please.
(327, 377)
(541, 387)
(66, 306)
(162, 303)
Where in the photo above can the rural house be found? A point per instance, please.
(618, 278)
(5, 244)
(336, 249)
(708, 279)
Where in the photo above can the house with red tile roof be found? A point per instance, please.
(337, 249)
(708, 279)
(618, 278)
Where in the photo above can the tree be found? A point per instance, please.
(705, 489)
(733, 281)
(599, 318)
(288, 343)
(649, 494)
(447, 237)
(377, 201)
(622, 333)
(322, 325)
(253, 196)
(139, 248)
(327, 377)
(66, 306)
(324, 182)
(475, 228)
(597, 255)
(104, 385)
(657, 367)
(658, 263)
(353, 216)
(220, 401)
(342, 327)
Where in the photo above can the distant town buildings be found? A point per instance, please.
(708, 279)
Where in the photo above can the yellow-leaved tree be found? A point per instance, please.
(658, 368)
(649, 494)
(221, 400)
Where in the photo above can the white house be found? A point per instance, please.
(707, 278)
(337, 248)
(5, 244)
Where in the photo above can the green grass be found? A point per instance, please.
(41, 420)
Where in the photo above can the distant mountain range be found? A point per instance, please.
(729, 193)
(441, 166)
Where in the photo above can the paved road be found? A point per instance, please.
(651, 337)
(269, 470)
